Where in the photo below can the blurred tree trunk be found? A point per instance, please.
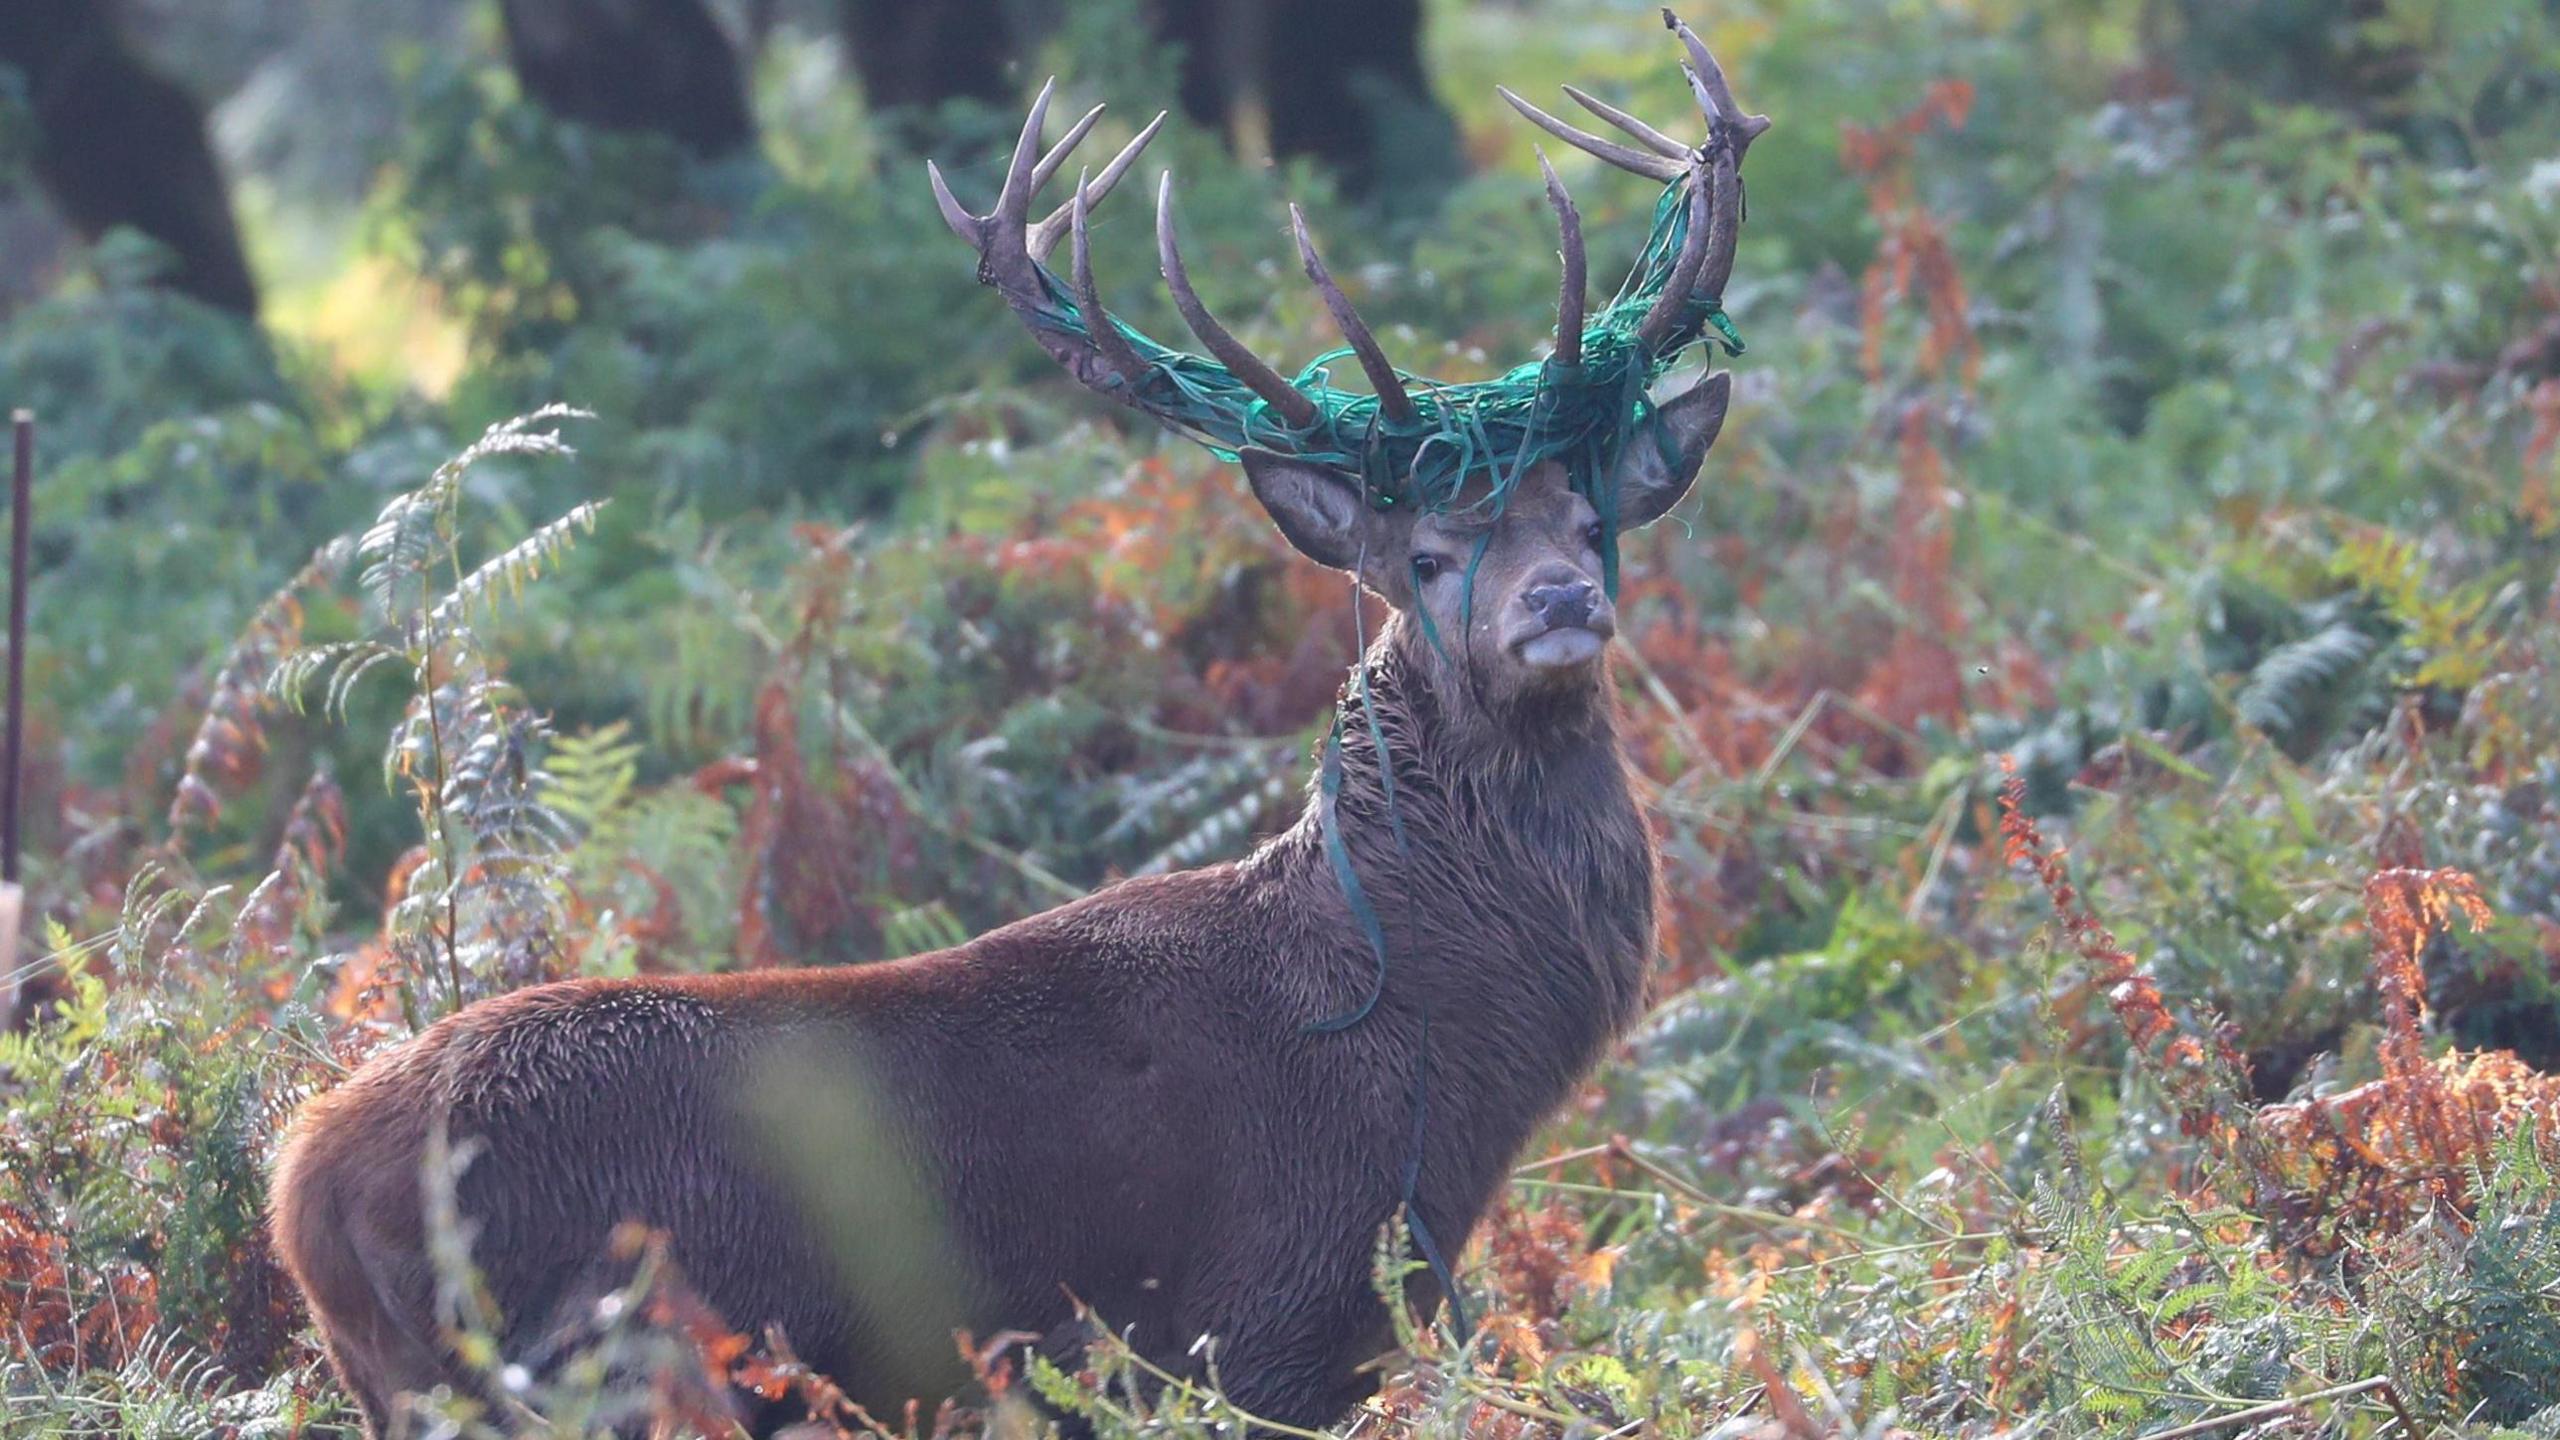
(652, 66)
(117, 143)
(1338, 81)
(915, 54)
(2340, 55)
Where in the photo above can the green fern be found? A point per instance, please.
(506, 573)
(592, 775)
(2303, 689)
(167, 1390)
(2509, 1272)
(1203, 808)
(416, 533)
(914, 929)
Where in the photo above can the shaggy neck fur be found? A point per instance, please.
(1518, 910)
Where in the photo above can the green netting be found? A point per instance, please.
(1478, 435)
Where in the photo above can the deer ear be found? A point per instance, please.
(1660, 460)
(1317, 508)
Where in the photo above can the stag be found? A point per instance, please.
(1187, 1103)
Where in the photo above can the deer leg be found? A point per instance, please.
(376, 1351)
(1301, 1363)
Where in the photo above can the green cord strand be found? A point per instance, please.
(1496, 429)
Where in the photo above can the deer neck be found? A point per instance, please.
(1509, 869)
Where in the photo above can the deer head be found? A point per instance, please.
(1488, 512)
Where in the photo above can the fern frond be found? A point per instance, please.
(509, 571)
(1222, 830)
(914, 929)
(416, 530)
(2299, 680)
(592, 774)
(514, 436)
(150, 898)
(344, 661)
(230, 741)
(399, 548)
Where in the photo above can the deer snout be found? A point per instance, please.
(1567, 622)
(1559, 605)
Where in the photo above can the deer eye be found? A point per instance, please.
(1425, 567)
(1593, 534)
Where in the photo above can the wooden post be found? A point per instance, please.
(13, 737)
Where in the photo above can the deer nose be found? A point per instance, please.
(1562, 605)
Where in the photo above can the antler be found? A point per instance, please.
(1714, 172)
(1011, 248)
(1126, 366)
(1576, 267)
(1114, 345)
(1288, 399)
(1392, 401)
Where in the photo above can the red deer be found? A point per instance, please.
(1190, 1101)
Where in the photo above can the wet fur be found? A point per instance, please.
(1117, 1101)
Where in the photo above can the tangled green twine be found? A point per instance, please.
(1496, 429)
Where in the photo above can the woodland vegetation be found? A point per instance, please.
(2100, 711)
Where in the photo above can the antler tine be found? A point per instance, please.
(1715, 193)
(1660, 169)
(1292, 403)
(1569, 298)
(954, 214)
(1715, 93)
(1115, 347)
(1724, 231)
(1004, 260)
(1013, 204)
(1654, 140)
(1707, 105)
(1044, 236)
(1058, 153)
(1664, 313)
(1393, 402)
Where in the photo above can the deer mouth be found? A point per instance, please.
(1567, 647)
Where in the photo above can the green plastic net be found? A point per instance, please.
(1475, 437)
